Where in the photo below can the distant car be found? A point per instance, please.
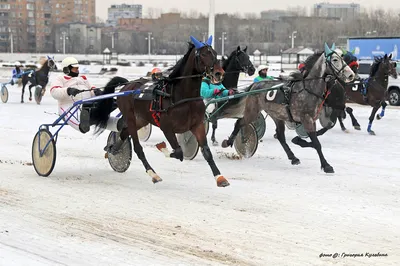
(393, 84)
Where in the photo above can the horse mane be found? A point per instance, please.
(228, 60)
(180, 65)
(44, 63)
(375, 65)
(311, 60)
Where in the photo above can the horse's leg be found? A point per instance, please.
(171, 138)
(30, 92)
(132, 130)
(238, 125)
(382, 114)
(322, 131)
(23, 92)
(214, 127)
(280, 133)
(371, 119)
(354, 121)
(341, 125)
(310, 127)
(200, 134)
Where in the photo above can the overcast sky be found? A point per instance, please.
(231, 6)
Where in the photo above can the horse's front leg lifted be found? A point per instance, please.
(171, 137)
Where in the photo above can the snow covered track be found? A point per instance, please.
(272, 214)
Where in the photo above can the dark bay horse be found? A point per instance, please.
(39, 77)
(306, 95)
(335, 104)
(181, 110)
(376, 90)
(237, 62)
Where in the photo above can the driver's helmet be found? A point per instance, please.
(68, 63)
(156, 73)
(17, 64)
(262, 67)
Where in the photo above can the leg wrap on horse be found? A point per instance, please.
(207, 154)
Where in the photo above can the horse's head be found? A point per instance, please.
(51, 63)
(389, 66)
(242, 61)
(205, 55)
(218, 72)
(336, 66)
(350, 59)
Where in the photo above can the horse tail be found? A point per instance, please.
(100, 114)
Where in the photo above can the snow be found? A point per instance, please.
(273, 213)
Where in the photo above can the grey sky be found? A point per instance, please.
(232, 6)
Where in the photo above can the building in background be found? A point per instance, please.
(342, 11)
(77, 38)
(116, 12)
(28, 24)
(66, 11)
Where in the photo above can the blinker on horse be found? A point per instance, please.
(180, 107)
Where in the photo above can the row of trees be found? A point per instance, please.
(268, 36)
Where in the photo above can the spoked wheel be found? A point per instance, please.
(260, 126)
(189, 145)
(38, 94)
(144, 133)
(4, 93)
(43, 164)
(246, 141)
(120, 161)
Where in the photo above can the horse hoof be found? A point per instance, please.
(328, 169)
(295, 161)
(22, 101)
(215, 143)
(30, 99)
(154, 177)
(357, 127)
(225, 144)
(221, 181)
(346, 131)
(378, 117)
(372, 133)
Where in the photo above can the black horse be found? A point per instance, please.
(39, 80)
(236, 63)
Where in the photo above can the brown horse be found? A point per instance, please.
(179, 109)
(376, 88)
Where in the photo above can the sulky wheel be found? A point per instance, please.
(43, 163)
(246, 141)
(189, 145)
(260, 126)
(121, 161)
(4, 93)
(144, 133)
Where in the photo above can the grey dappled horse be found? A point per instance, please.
(305, 97)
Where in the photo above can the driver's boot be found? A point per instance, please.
(84, 125)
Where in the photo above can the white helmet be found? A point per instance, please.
(70, 61)
(261, 67)
(18, 63)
